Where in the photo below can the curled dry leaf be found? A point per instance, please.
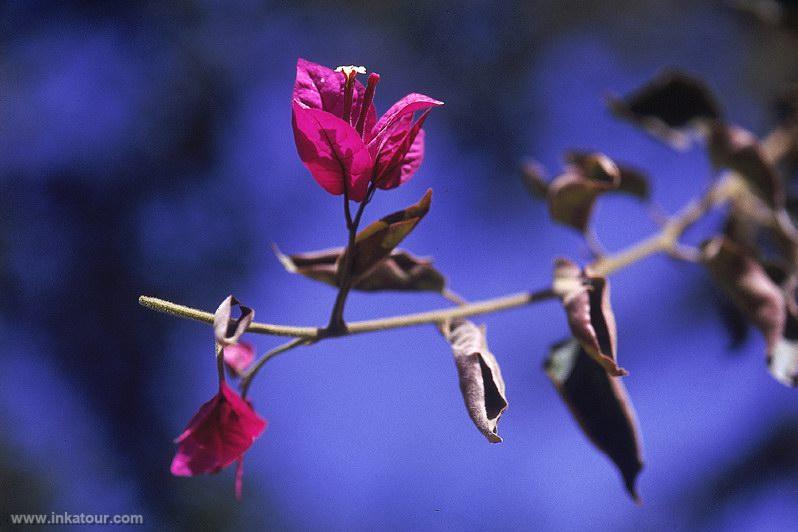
(534, 176)
(668, 106)
(571, 195)
(634, 182)
(586, 300)
(737, 149)
(601, 406)
(400, 271)
(747, 284)
(631, 180)
(480, 378)
(749, 224)
(376, 242)
(228, 329)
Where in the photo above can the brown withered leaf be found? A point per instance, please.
(601, 406)
(632, 181)
(749, 225)
(748, 285)
(668, 106)
(400, 271)
(481, 380)
(319, 265)
(375, 242)
(586, 300)
(534, 176)
(571, 195)
(737, 149)
(227, 328)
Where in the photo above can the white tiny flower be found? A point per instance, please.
(350, 69)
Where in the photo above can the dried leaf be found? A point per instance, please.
(737, 149)
(480, 378)
(668, 106)
(318, 265)
(747, 284)
(586, 300)
(600, 405)
(376, 242)
(228, 329)
(534, 176)
(572, 194)
(749, 225)
(632, 181)
(400, 271)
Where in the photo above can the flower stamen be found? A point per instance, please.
(368, 97)
(350, 73)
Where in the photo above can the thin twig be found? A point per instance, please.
(246, 378)
(182, 311)
(667, 239)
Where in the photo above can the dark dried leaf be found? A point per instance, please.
(747, 284)
(586, 300)
(480, 378)
(376, 242)
(634, 182)
(749, 224)
(534, 177)
(318, 265)
(631, 180)
(601, 406)
(736, 149)
(571, 195)
(228, 329)
(668, 105)
(400, 271)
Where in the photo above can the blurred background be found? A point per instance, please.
(146, 149)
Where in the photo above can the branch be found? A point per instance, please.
(667, 240)
(182, 311)
(486, 306)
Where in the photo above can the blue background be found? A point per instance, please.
(148, 150)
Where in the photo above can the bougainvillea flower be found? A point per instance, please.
(238, 357)
(341, 141)
(219, 434)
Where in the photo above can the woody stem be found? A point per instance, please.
(337, 325)
(666, 240)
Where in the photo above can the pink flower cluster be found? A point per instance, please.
(341, 141)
